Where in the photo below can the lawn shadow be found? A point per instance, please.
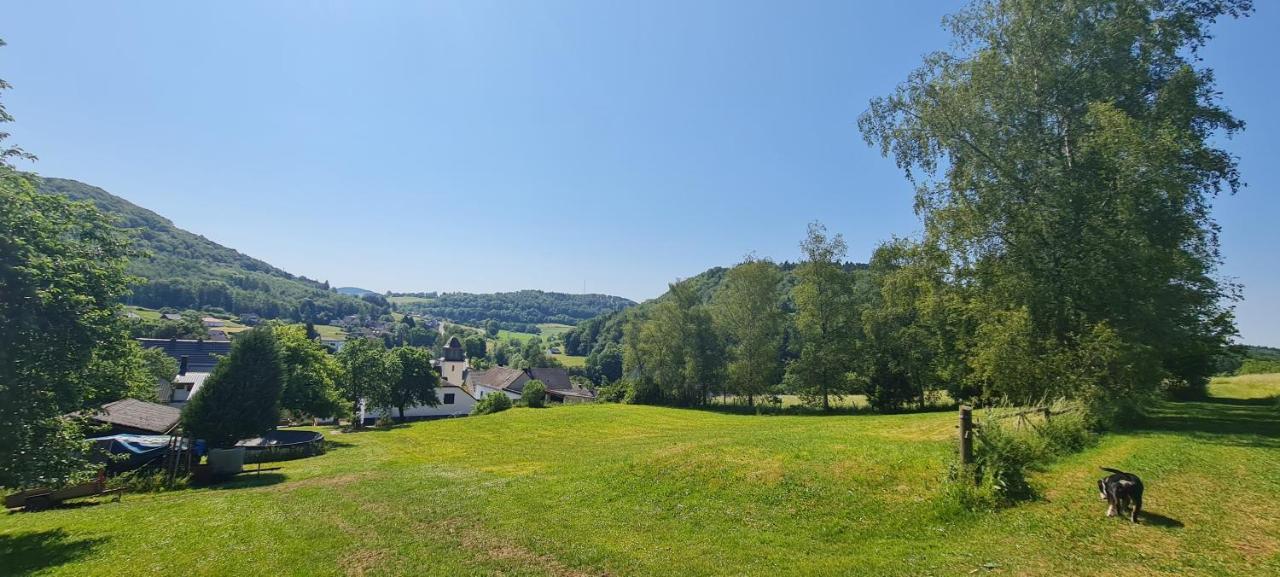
(332, 445)
(1158, 520)
(806, 411)
(1239, 422)
(30, 553)
(248, 480)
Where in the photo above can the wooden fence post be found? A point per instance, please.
(966, 435)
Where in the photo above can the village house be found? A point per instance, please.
(196, 359)
(511, 382)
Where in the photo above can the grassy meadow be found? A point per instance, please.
(634, 490)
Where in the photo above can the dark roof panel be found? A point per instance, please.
(201, 355)
(554, 379)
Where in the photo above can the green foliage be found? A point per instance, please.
(369, 370)
(825, 320)
(160, 366)
(188, 327)
(518, 311)
(1064, 163)
(62, 276)
(1005, 454)
(675, 353)
(240, 399)
(534, 394)
(533, 355)
(187, 271)
(748, 311)
(1258, 366)
(493, 403)
(475, 347)
(605, 366)
(417, 381)
(122, 368)
(311, 375)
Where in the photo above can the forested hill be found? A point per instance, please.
(513, 310)
(187, 271)
(593, 334)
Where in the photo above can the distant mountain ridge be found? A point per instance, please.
(354, 291)
(186, 270)
(517, 310)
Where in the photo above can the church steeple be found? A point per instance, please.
(453, 351)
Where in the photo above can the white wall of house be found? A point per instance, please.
(483, 391)
(454, 402)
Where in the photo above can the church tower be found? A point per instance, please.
(453, 366)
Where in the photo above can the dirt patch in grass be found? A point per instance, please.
(360, 562)
(491, 547)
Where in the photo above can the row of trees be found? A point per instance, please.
(1064, 163)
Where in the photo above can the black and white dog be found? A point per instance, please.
(1120, 489)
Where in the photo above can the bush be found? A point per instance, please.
(534, 394)
(492, 403)
(613, 393)
(1003, 457)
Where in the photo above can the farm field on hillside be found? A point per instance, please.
(570, 361)
(1246, 386)
(634, 490)
(403, 300)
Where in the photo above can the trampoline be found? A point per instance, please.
(282, 445)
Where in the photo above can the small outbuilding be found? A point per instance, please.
(134, 417)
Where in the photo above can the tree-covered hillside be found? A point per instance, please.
(514, 310)
(187, 271)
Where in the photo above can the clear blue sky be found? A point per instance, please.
(485, 146)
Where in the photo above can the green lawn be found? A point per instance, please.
(570, 361)
(553, 329)
(331, 332)
(145, 313)
(633, 490)
(548, 330)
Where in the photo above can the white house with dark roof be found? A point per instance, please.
(511, 382)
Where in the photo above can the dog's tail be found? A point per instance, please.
(1116, 471)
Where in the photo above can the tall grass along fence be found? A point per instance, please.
(997, 451)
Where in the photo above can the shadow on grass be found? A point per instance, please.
(248, 480)
(1241, 422)
(332, 445)
(1158, 520)
(30, 553)
(806, 411)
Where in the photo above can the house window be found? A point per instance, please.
(448, 398)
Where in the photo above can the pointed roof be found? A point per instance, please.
(453, 351)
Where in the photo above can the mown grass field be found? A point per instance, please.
(633, 490)
(570, 361)
(403, 300)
